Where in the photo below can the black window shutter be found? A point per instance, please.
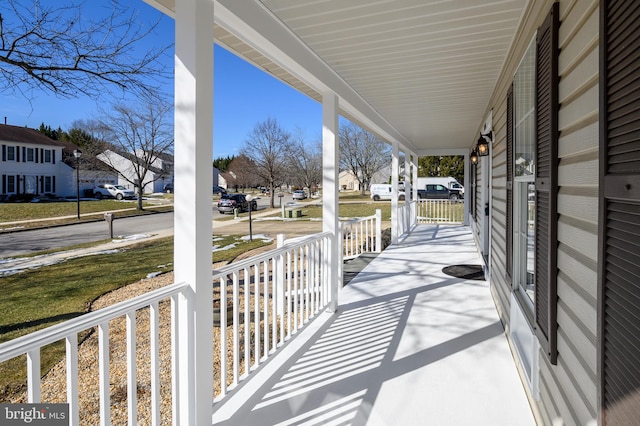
(24, 154)
(4, 184)
(4, 153)
(546, 221)
(509, 201)
(619, 251)
(37, 157)
(53, 156)
(17, 154)
(53, 184)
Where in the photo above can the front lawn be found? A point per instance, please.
(46, 296)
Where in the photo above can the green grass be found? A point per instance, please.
(40, 298)
(354, 196)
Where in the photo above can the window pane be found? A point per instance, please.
(524, 105)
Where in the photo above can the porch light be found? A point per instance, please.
(483, 143)
(473, 157)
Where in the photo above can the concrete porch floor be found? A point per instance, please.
(409, 345)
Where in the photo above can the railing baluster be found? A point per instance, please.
(71, 343)
(236, 335)
(105, 380)
(266, 307)
(247, 320)
(132, 388)
(288, 299)
(256, 311)
(175, 361)
(154, 349)
(274, 305)
(223, 335)
(296, 288)
(33, 376)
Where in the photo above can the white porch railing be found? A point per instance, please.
(270, 296)
(32, 344)
(405, 217)
(440, 211)
(361, 235)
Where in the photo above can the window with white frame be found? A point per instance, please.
(30, 155)
(524, 161)
(47, 156)
(11, 184)
(11, 153)
(47, 184)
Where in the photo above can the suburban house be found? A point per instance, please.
(542, 99)
(348, 182)
(33, 163)
(157, 174)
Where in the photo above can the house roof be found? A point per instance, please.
(416, 72)
(25, 135)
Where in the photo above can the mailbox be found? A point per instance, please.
(108, 217)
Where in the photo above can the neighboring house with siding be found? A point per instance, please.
(32, 163)
(159, 173)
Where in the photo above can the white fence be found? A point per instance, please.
(440, 211)
(270, 296)
(361, 235)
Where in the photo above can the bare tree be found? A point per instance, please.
(242, 171)
(266, 147)
(57, 49)
(140, 134)
(305, 162)
(362, 154)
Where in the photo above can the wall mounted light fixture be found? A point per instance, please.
(473, 157)
(483, 143)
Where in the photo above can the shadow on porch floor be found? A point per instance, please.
(409, 345)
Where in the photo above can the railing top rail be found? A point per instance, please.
(37, 339)
(356, 219)
(248, 262)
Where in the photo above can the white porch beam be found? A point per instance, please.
(394, 192)
(192, 207)
(330, 158)
(467, 187)
(414, 187)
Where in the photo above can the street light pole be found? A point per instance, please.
(77, 153)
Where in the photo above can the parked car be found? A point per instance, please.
(228, 202)
(168, 188)
(118, 192)
(299, 195)
(438, 192)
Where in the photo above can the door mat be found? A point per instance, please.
(466, 272)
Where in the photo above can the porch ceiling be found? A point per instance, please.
(424, 69)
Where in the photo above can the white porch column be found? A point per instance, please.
(414, 186)
(407, 198)
(192, 207)
(394, 193)
(467, 188)
(330, 162)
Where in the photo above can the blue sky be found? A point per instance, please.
(243, 97)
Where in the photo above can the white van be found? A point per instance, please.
(382, 191)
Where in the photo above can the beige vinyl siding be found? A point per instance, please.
(500, 287)
(574, 379)
(568, 391)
